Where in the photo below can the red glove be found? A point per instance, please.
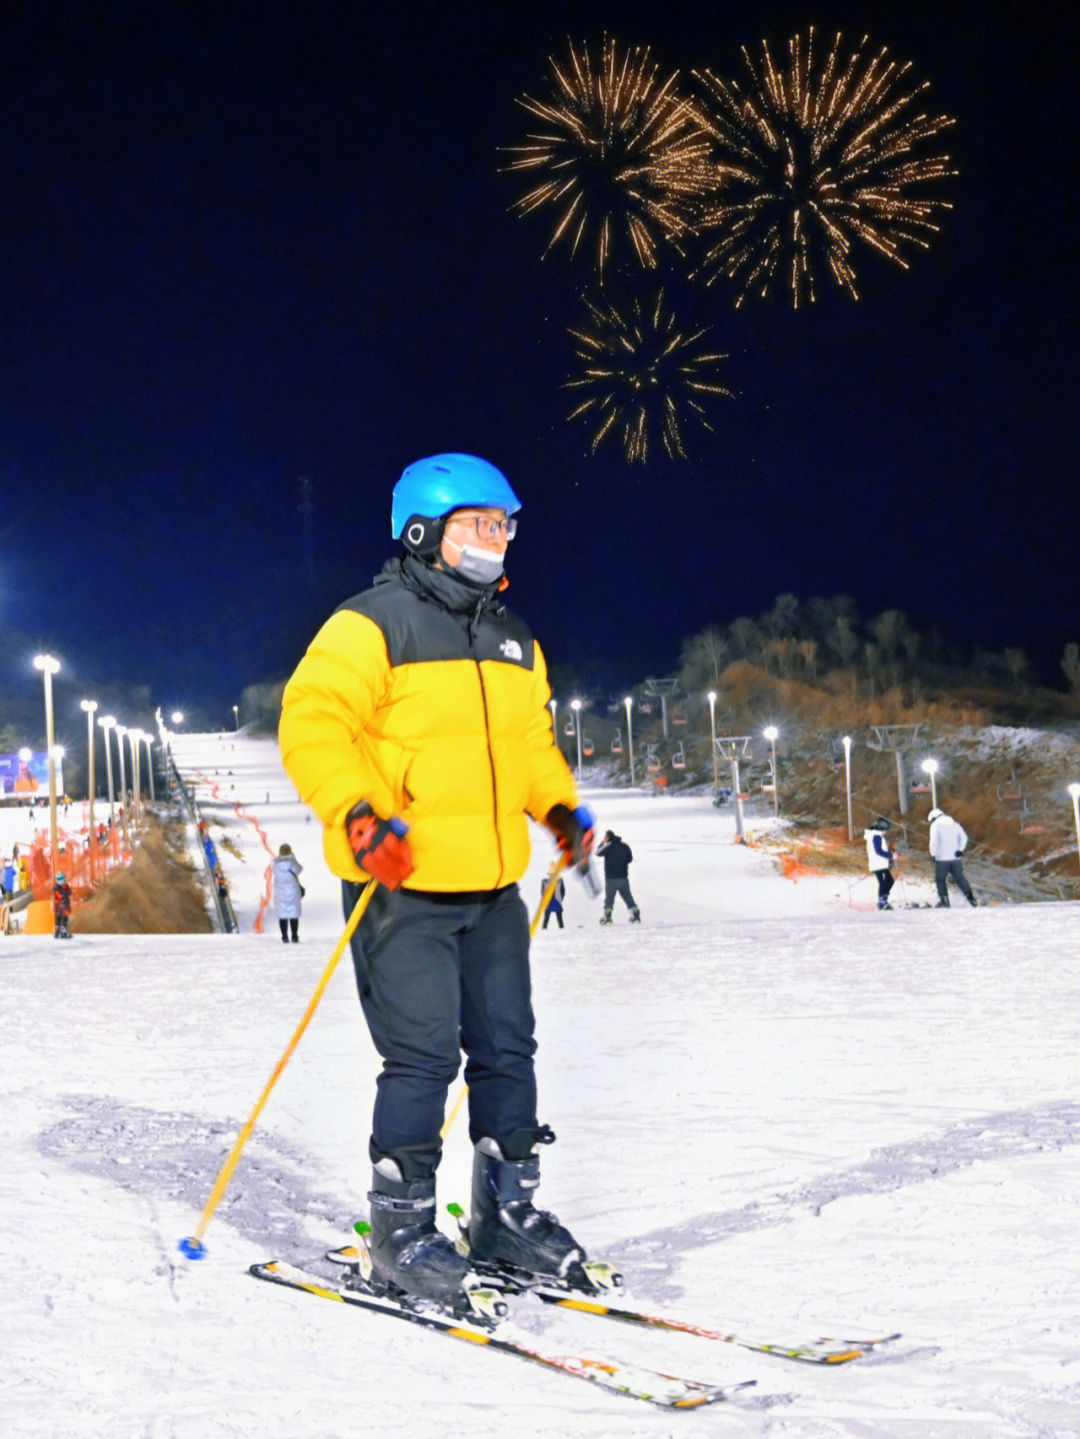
(379, 845)
(573, 831)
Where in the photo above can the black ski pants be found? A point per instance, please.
(942, 869)
(618, 885)
(884, 884)
(438, 974)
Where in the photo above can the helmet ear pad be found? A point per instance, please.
(423, 534)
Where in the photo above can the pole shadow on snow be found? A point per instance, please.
(1008, 1135)
(175, 1158)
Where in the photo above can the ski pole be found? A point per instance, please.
(192, 1247)
(561, 862)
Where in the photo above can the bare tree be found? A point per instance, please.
(701, 659)
(809, 650)
(1016, 662)
(746, 637)
(1070, 663)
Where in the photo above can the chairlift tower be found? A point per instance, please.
(662, 689)
(732, 748)
(897, 739)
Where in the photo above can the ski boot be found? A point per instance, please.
(605, 918)
(505, 1229)
(884, 904)
(635, 916)
(407, 1252)
(972, 901)
(942, 904)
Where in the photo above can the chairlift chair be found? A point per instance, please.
(1010, 789)
(616, 743)
(1030, 822)
(652, 760)
(586, 746)
(678, 759)
(569, 729)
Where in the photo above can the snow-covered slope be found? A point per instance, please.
(775, 1111)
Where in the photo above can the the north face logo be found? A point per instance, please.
(511, 649)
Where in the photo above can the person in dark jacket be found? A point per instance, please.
(417, 727)
(617, 855)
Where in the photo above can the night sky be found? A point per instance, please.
(243, 244)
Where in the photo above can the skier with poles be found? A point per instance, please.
(880, 855)
(417, 727)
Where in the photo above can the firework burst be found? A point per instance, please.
(642, 377)
(817, 156)
(616, 157)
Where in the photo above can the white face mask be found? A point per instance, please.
(482, 567)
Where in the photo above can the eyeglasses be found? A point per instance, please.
(486, 528)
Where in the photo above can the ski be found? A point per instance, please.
(816, 1351)
(665, 1390)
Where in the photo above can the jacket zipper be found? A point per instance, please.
(491, 761)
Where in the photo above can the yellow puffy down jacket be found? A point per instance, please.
(429, 700)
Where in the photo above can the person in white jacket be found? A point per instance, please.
(948, 840)
(879, 856)
(288, 892)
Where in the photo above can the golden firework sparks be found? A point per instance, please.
(618, 153)
(642, 376)
(816, 157)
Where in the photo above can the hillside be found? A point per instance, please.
(1005, 765)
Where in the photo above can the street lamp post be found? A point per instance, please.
(629, 703)
(575, 705)
(930, 767)
(108, 722)
(149, 738)
(134, 738)
(847, 786)
(553, 706)
(771, 733)
(48, 667)
(711, 697)
(1074, 790)
(121, 731)
(236, 715)
(90, 706)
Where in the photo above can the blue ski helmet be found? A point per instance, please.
(430, 489)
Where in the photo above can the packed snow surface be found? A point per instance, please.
(778, 1111)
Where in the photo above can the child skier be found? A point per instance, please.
(61, 903)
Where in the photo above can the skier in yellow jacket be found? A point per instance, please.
(417, 728)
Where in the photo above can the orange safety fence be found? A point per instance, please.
(268, 877)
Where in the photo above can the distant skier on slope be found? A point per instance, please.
(418, 729)
(617, 856)
(948, 840)
(288, 892)
(880, 856)
(61, 903)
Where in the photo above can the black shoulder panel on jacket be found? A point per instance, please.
(419, 630)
